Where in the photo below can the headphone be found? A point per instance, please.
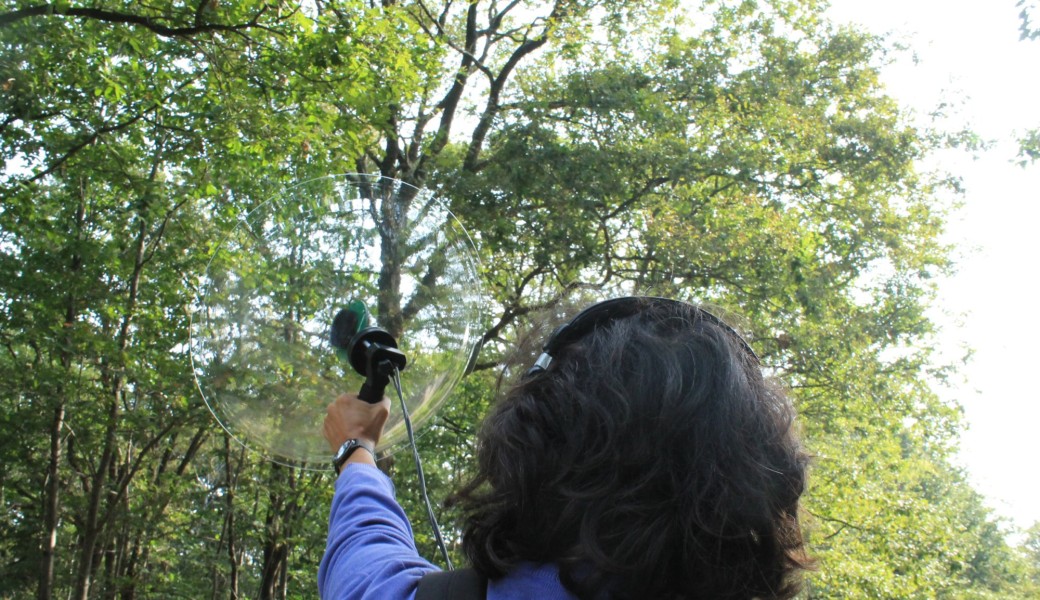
(603, 313)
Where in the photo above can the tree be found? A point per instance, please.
(740, 154)
(149, 124)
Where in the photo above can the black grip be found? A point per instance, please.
(372, 392)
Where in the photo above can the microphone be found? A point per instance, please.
(371, 351)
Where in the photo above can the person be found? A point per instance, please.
(643, 456)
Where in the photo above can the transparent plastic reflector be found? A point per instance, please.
(260, 344)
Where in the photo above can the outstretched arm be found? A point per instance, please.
(370, 551)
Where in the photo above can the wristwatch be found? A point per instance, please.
(347, 449)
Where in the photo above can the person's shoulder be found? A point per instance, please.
(530, 580)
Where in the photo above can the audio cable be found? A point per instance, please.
(395, 377)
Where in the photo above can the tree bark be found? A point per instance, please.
(280, 515)
(51, 505)
(115, 380)
(52, 484)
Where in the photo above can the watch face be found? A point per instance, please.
(345, 449)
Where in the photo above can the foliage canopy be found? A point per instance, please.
(741, 154)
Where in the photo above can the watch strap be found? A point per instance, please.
(349, 447)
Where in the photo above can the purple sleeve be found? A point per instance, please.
(370, 552)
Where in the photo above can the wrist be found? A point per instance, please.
(352, 451)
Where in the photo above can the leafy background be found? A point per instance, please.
(736, 153)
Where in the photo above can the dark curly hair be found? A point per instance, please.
(650, 460)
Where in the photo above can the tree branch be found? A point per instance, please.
(449, 105)
(843, 524)
(108, 16)
(90, 139)
(491, 109)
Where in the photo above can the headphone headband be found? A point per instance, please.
(604, 312)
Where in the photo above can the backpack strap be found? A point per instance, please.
(463, 584)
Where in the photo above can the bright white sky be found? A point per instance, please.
(969, 55)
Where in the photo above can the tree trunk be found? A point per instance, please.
(274, 556)
(91, 532)
(52, 484)
(230, 522)
(51, 503)
(115, 381)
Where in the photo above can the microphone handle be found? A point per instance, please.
(372, 391)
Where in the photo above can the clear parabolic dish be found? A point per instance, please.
(260, 326)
